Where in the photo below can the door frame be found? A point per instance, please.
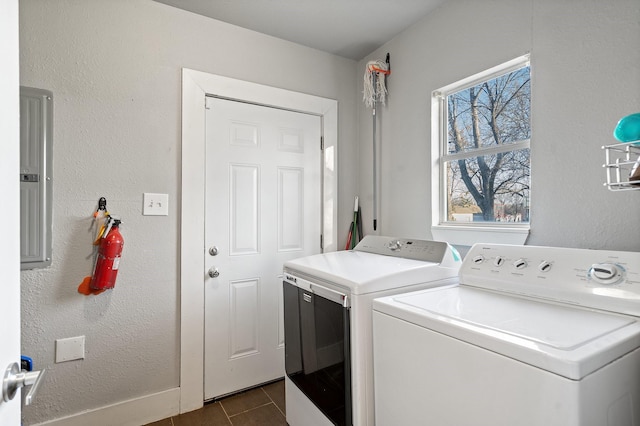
(196, 85)
(10, 412)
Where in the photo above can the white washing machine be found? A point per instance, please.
(532, 336)
(327, 322)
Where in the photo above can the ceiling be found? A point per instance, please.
(347, 28)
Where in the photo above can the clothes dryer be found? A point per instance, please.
(327, 322)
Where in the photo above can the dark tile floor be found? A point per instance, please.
(260, 406)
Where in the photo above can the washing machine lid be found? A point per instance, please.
(566, 340)
(360, 272)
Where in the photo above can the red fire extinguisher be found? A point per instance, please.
(108, 260)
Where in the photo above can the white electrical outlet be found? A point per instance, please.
(155, 204)
(69, 349)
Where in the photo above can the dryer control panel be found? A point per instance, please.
(601, 279)
(424, 250)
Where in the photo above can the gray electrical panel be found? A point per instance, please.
(36, 178)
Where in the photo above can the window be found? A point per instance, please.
(481, 144)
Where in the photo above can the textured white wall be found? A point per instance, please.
(115, 70)
(585, 76)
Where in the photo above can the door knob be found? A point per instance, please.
(213, 251)
(14, 379)
(213, 272)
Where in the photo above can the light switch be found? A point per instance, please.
(69, 349)
(155, 204)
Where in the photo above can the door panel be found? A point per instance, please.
(243, 327)
(262, 208)
(244, 209)
(290, 209)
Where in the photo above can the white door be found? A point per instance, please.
(10, 196)
(263, 207)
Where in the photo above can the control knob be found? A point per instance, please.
(394, 245)
(498, 261)
(606, 273)
(544, 266)
(520, 264)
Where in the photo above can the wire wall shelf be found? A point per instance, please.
(622, 160)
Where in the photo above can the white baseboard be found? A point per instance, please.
(134, 412)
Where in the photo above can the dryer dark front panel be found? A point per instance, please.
(317, 351)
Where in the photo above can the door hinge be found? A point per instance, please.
(29, 178)
(321, 143)
(321, 242)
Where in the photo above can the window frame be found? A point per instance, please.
(468, 233)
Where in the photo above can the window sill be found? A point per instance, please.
(469, 235)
